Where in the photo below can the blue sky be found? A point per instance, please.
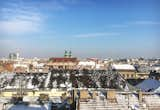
(89, 28)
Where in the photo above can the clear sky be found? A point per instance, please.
(89, 28)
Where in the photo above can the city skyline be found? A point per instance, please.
(89, 28)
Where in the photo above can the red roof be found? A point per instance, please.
(63, 59)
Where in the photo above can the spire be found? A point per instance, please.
(65, 53)
(70, 54)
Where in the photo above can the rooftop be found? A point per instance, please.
(63, 59)
(123, 67)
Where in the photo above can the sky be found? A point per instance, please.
(89, 28)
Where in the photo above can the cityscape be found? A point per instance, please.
(69, 83)
(79, 55)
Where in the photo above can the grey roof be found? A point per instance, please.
(149, 85)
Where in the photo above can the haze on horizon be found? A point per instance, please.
(89, 28)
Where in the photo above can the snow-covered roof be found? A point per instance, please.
(25, 107)
(123, 67)
(87, 63)
(157, 90)
(20, 65)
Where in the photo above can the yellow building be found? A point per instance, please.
(63, 63)
(142, 75)
(126, 70)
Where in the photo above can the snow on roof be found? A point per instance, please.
(123, 67)
(24, 107)
(87, 63)
(157, 90)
